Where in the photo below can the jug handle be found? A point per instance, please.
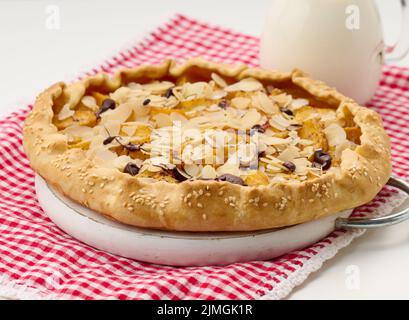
(401, 48)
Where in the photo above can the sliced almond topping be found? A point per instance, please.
(302, 166)
(193, 170)
(229, 168)
(241, 103)
(161, 162)
(273, 141)
(250, 119)
(298, 104)
(279, 122)
(65, 112)
(196, 90)
(335, 135)
(217, 95)
(289, 154)
(219, 80)
(79, 131)
(120, 114)
(246, 85)
(155, 102)
(247, 154)
(162, 120)
(158, 87)
(121, 162)
(307, 152)
(90, 102)
(110, 128)
(177, 117)
(266, 104)
(209, 172)
(283, 100)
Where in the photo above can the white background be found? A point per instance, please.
(33, 57)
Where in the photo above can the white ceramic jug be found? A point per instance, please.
(338, 41)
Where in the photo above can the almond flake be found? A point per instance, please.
(266, 104)
(79, 131)
(155, 102)
(273, 141)
(193, 170)
(162, 162)
(120, 114)
(289, 154)
(241, 103)
(250, 119)
(196, 90)
(65, 112)
(162, 120)
(298, 104)
(129, 130)
(247, 154)
(279, 122)
(209, 172)
(90, 102)
(158, 87)
(229, 168)
(302, 166)
(153, 168)
(335, 135)
(121, 162)
(219, 80)
(283, 100)
(110, 129)
(246, 85)
(177, 117)
(217, 95)
(307, 152)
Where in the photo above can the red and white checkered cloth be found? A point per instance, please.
(37, 259)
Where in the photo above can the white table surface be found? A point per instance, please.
(33, 57)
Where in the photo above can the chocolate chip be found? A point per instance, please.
(323, 159)
(146, 102)
(262, 154)
(109, 104)
(231, 179)
(106, 105)
(287, 111)
(132, 147)
(223, 104)
(180, 175)
(169, 93)
(258, 128)
(290, 166)
(132, 169)
(109, 140)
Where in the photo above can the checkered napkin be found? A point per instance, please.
(38, 260)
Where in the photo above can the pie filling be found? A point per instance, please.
(247, 132)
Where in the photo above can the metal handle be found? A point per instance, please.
(399, 51)
(386, 221)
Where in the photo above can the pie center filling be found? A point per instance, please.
(244, 132)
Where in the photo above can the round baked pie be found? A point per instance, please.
(207, 147)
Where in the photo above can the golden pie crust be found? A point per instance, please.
(207, 205)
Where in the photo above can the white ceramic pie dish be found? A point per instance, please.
(190, 249)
